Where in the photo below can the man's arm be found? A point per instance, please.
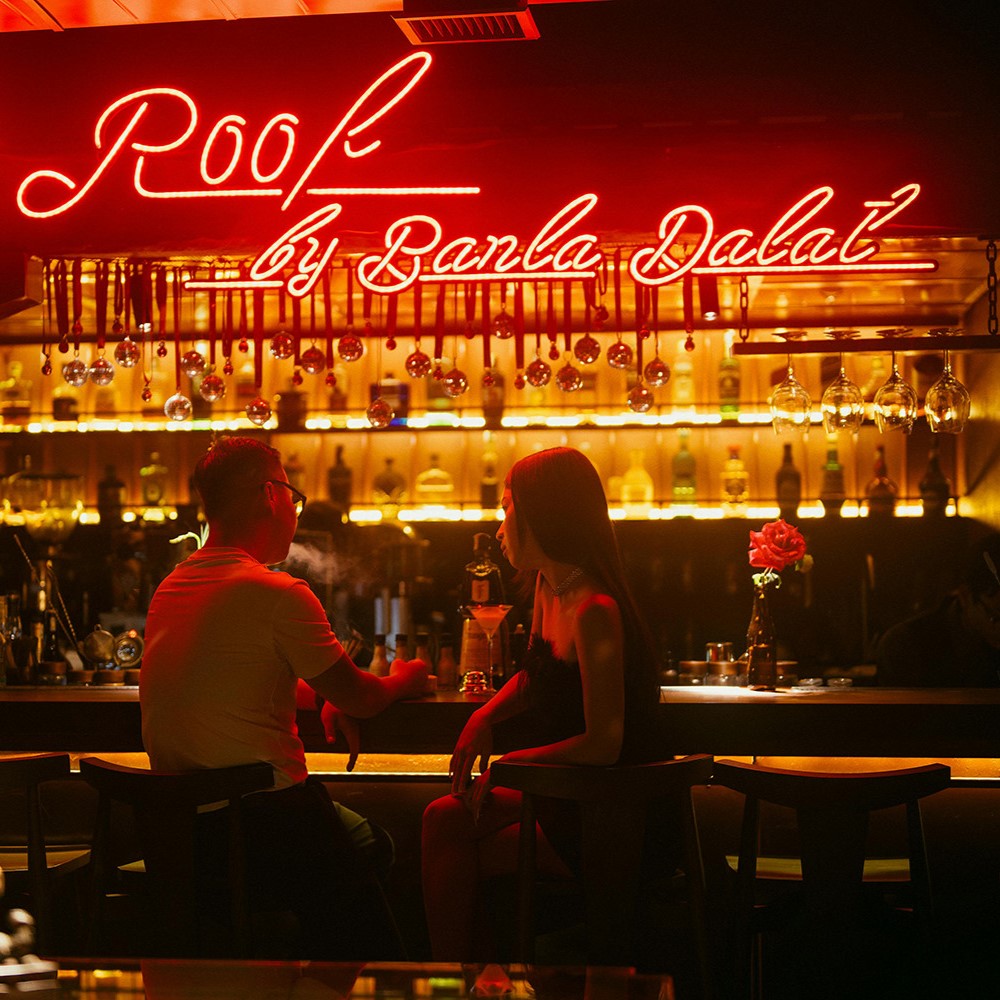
(362, 694)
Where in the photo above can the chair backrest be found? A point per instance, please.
(832, 811)
(24, 775)
(165, 807)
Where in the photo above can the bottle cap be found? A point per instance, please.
(379, 639)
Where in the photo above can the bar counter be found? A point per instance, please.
(853, 722)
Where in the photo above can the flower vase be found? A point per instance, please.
(762, 663)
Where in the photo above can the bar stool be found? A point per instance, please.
(31, 865)
(164, 806)
(834, 927)
(614, 804)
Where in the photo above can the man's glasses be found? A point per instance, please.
(298, 497)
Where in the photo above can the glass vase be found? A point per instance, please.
(762, 663)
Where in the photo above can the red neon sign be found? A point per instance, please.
(415, 247)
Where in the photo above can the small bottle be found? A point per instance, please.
(489, 481)
(832, 493)
(379, 665)
(788, 486)
(338, 481)
(336, 401)
(389, 490)
(935, 490)
(493, 398)
(434, 485)
(881, 491)
(291, 409)
(447, 667)
(483, 584)
(684, 481)
(682, 381)
(154, 481)
(729, 382)
(110, 496)
(422, 650)
(65, 402)
(735, 481)
(637, 486)
(402, 649)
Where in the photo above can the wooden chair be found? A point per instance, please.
(614, 803)
(165, 806)
(33, 864)
(828, 908)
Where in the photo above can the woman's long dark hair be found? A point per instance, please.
(558, 495)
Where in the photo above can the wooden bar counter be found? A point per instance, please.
(854, 722)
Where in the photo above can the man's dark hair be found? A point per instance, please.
(229, 470)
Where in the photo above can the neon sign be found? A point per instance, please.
(148, 123)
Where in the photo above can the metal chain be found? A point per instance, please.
(744, 330)
(991, 288)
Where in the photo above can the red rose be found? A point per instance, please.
(776, 546)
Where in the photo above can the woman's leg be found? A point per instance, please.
(457, 852)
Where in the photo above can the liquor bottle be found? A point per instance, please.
(389, 490)
(434, 485)
(735, 481)
(682, 381)
(15, 395)
(339, 481)
(65, 403)
(154, 481)
(379, 665)
(51, 652)
(291, 409)
(935, 490)
(402, 648)
(881, 491)
(447, 667)
(337, 399)
(422, 650)
(832, 493)
(637, 486)
(483, 584)
(788, 486)
(110, 496)
(489, 482)
(493, 399)
(729, 382)
(684, 482)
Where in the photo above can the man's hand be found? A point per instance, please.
(335, 721)
(412, 675)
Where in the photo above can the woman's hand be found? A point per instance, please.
(475, 740)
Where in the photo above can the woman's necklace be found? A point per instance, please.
(568, 581)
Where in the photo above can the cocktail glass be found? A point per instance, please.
(489, 617)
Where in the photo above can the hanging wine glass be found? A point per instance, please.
(895, 403)
(790, 404)
(843, 404)
(947, 403)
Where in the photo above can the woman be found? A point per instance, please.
(589, 675)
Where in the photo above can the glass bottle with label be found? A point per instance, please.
(881, 491)
(735, 481)
(684, 481)
(154, 481)
(788, 486)
(434, 485)
(682, 381)
(483, 583)
(339, 480)
(935, 490)
(493, 398)
(110, 496)
(729, 382)
(637, 486)
(379, 665)
(832, 492)
(389, 490)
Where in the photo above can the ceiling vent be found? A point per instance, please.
(437, 22)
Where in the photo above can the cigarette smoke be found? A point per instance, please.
(330, 567)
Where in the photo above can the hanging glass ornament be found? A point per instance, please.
(587, 350)
(418, 364)
(380, 413)
(569, 378)
(689, 343)
(177, 407)
(656, 372)
(75, 372)
(297, 378)
(117, 328)
(350, 347)
(553, 352)
(127, 353)
(519, 380)
(192, 363)
(243, 346)
(640, 399)
(455, 383)
(331, 378)
(258, 411)
(313, 360)
(227, 367)
(620, 355)
(538, 373)
(212, 388)
(489, 379)
(47, 366)
(282, 345)
(161, 350)
(147, 393)
(600, 316)
(101, 371)
(503, 325)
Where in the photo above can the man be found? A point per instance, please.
(956, 644)
(228, 642)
